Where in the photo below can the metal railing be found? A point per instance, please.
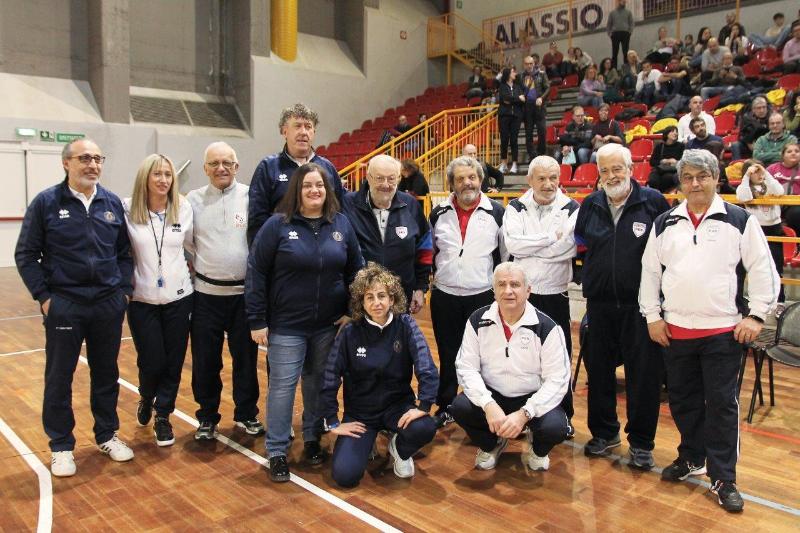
(427, 138)
(457, 38)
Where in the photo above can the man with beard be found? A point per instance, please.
(467, 245)
(538, 229)
(613, 223)
(685, 132)
(391, 228)
(297, 125)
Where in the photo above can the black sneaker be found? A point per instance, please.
(570, 430)
(251, 427)
(206, 431)
(728, 496)
(641, 458)
(597, 447)
(679, 470)
(443, 418)
(278, 469)
(313, 452)
(163, 431)
(145, 411)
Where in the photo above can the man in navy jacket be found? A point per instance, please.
(74, 256)
(614, 223)
(297, 125)
(391, 228)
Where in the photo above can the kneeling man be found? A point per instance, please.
(514, 369)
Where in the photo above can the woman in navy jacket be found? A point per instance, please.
(300, 265)
(376, 355)
(511, 98)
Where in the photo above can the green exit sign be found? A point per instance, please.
(68, 137)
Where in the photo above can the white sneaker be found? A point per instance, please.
(63, 464)
(116, 449)
(513, 168)
(403, 468)
(488, 460)
(502, 168)
(533, 461)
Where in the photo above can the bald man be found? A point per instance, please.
(391, 228)
(220, 261)
(492, 177)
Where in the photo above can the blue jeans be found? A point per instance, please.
(291, 356)
(708, 92)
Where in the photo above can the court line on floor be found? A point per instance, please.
(23, 352)
(695, 481)
(294, 478)
(45, 523)
(20, 317)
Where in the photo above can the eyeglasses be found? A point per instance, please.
(702, 178)
(85, 159)
(227, 165)
(380, 180)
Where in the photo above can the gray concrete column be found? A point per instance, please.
(109, 58)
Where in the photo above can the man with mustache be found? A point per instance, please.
(539, 232)
(467, 245)
(613, 223)
(391, 228)
(298, 125)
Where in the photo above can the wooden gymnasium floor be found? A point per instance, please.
(223, 486)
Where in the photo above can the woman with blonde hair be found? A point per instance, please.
(160, 228)
(376, 355)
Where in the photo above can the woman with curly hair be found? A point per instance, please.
(376, 355)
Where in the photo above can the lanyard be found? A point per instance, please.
(159, 249)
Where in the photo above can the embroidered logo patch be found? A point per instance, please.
(401, 231)
(176, 228)
(361, 351)
(239, 220)
(337, 236)
(109, 216)
(639, 228)
(397, 346)
(63, 213)
(283, 177)
(293, 235)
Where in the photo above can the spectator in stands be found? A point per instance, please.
(553, 62)
(375, 355)
(727, 29)
(467, 243)
(674, 80)
(413, 180)
(757, 183)
(609, 74)
(576, 139)
(629, 74)
(769, 147)
(753, 125)
(476, 84)
(613, 224)
(591, 89)
(619, 29)
(492, 178)
(692, 251)
(647, 84)
(509, 116)
(664, 160)
(605, 130)
(791, 115)
(514, 371)
(737, 43)
(663, 48)
(391, 228)
(791, 51)
(539, 233)
(537, 92)
(402, 126)
(582, 61)
(712, 58)
(724, 79)
(308, 245)
(685, 133)
(787, 172)
(297, 125)
(775, 34)
(687, 46)
(702, 139)
(702, 40)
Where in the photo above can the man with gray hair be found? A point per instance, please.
(692, 298)
(298, 126)
(539, 232)
(493, 179)
(391, 228)
(467, 245)
(220, 262)
(514, 370)
(613, 223)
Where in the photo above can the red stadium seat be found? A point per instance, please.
(789, 248)
(641, 171)
(711, 104)
(641, 149)
(552, 138)
(751, 69)
(585, 175)
(790, 82)
(725, 122)
(570, 81)
(566, 173)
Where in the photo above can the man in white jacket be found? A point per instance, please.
(696, 256)
(539, 232)
(514, 370)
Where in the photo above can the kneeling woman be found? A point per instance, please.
(376, 355)
(159, 225)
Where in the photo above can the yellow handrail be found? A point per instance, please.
(453, 36)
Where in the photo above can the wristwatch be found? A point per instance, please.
(756, 318)
(327, 427)
(528, 413)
